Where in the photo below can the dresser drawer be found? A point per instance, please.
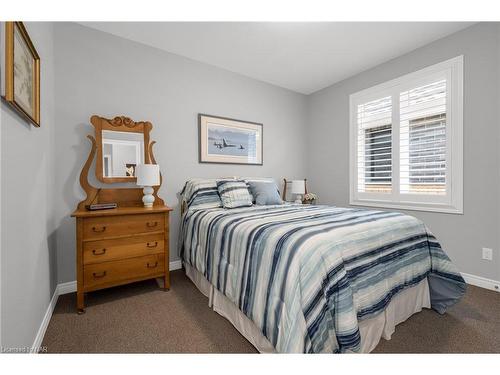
(121, 248)
(104, 227)
(100, 275)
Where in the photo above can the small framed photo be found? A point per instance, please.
(22, 72)
(130, 170)
(229, 141)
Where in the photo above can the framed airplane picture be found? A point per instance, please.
(22, 72)
(229, 141)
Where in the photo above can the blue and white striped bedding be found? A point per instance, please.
(307, 275)
(201, 193)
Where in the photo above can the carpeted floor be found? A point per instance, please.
(142, 318)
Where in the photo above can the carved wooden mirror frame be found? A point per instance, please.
(119, 124)
(121, 196)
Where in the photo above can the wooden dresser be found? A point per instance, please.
(120, 246)
(128, 243)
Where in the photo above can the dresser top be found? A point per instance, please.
(124, 210)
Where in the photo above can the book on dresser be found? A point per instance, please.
(125, 244)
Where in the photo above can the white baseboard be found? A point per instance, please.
(175, 265)
(37, 343)
(65, 288)
(481, 282)
(70, 287)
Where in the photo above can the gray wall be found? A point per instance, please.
(28, 266)
(102, 74)
(462, 236)
(98, 73)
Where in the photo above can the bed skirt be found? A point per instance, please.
(403, 305)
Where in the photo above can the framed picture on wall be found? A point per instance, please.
(22, 72)
(229, 141)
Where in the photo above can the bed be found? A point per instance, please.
(315, 279)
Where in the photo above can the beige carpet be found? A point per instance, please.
(141, 318)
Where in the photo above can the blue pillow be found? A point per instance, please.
(265, 192)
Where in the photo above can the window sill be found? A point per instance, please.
(438, 208)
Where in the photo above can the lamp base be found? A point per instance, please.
(148, 198)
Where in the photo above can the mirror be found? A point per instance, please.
(122, 144)
(121, 152)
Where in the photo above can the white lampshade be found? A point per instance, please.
(148, 174)
(298, 187)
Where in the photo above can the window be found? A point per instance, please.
(378, 168)
(375, 145)
(406, 141)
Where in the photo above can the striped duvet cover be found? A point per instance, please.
(307, 275)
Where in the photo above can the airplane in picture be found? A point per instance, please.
(224, 144)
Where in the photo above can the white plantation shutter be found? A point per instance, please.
(406, 141)
(375, 146)
(423, 139)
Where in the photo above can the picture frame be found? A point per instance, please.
(22, 72)
(224, 140)
(130, 169)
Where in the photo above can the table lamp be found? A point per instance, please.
(298, 188)
(148, 175)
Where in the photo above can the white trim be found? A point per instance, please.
(481, 282)
(403, 206)
(70, 287)
(65, 288)
(37, 343)
(452, 69)
(414, 76)
(175, 265)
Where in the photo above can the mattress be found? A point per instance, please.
(309, 276)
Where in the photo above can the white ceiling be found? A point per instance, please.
(303, 57)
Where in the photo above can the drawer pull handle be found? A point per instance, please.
(97, 230)
(150, 244)
(153, 266)
(152, 225)
(99, 275)
(102, 252)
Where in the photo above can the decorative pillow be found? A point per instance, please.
(234, 193)
(264, 192)
(201, 193)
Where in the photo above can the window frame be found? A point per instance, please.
(452, 202)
